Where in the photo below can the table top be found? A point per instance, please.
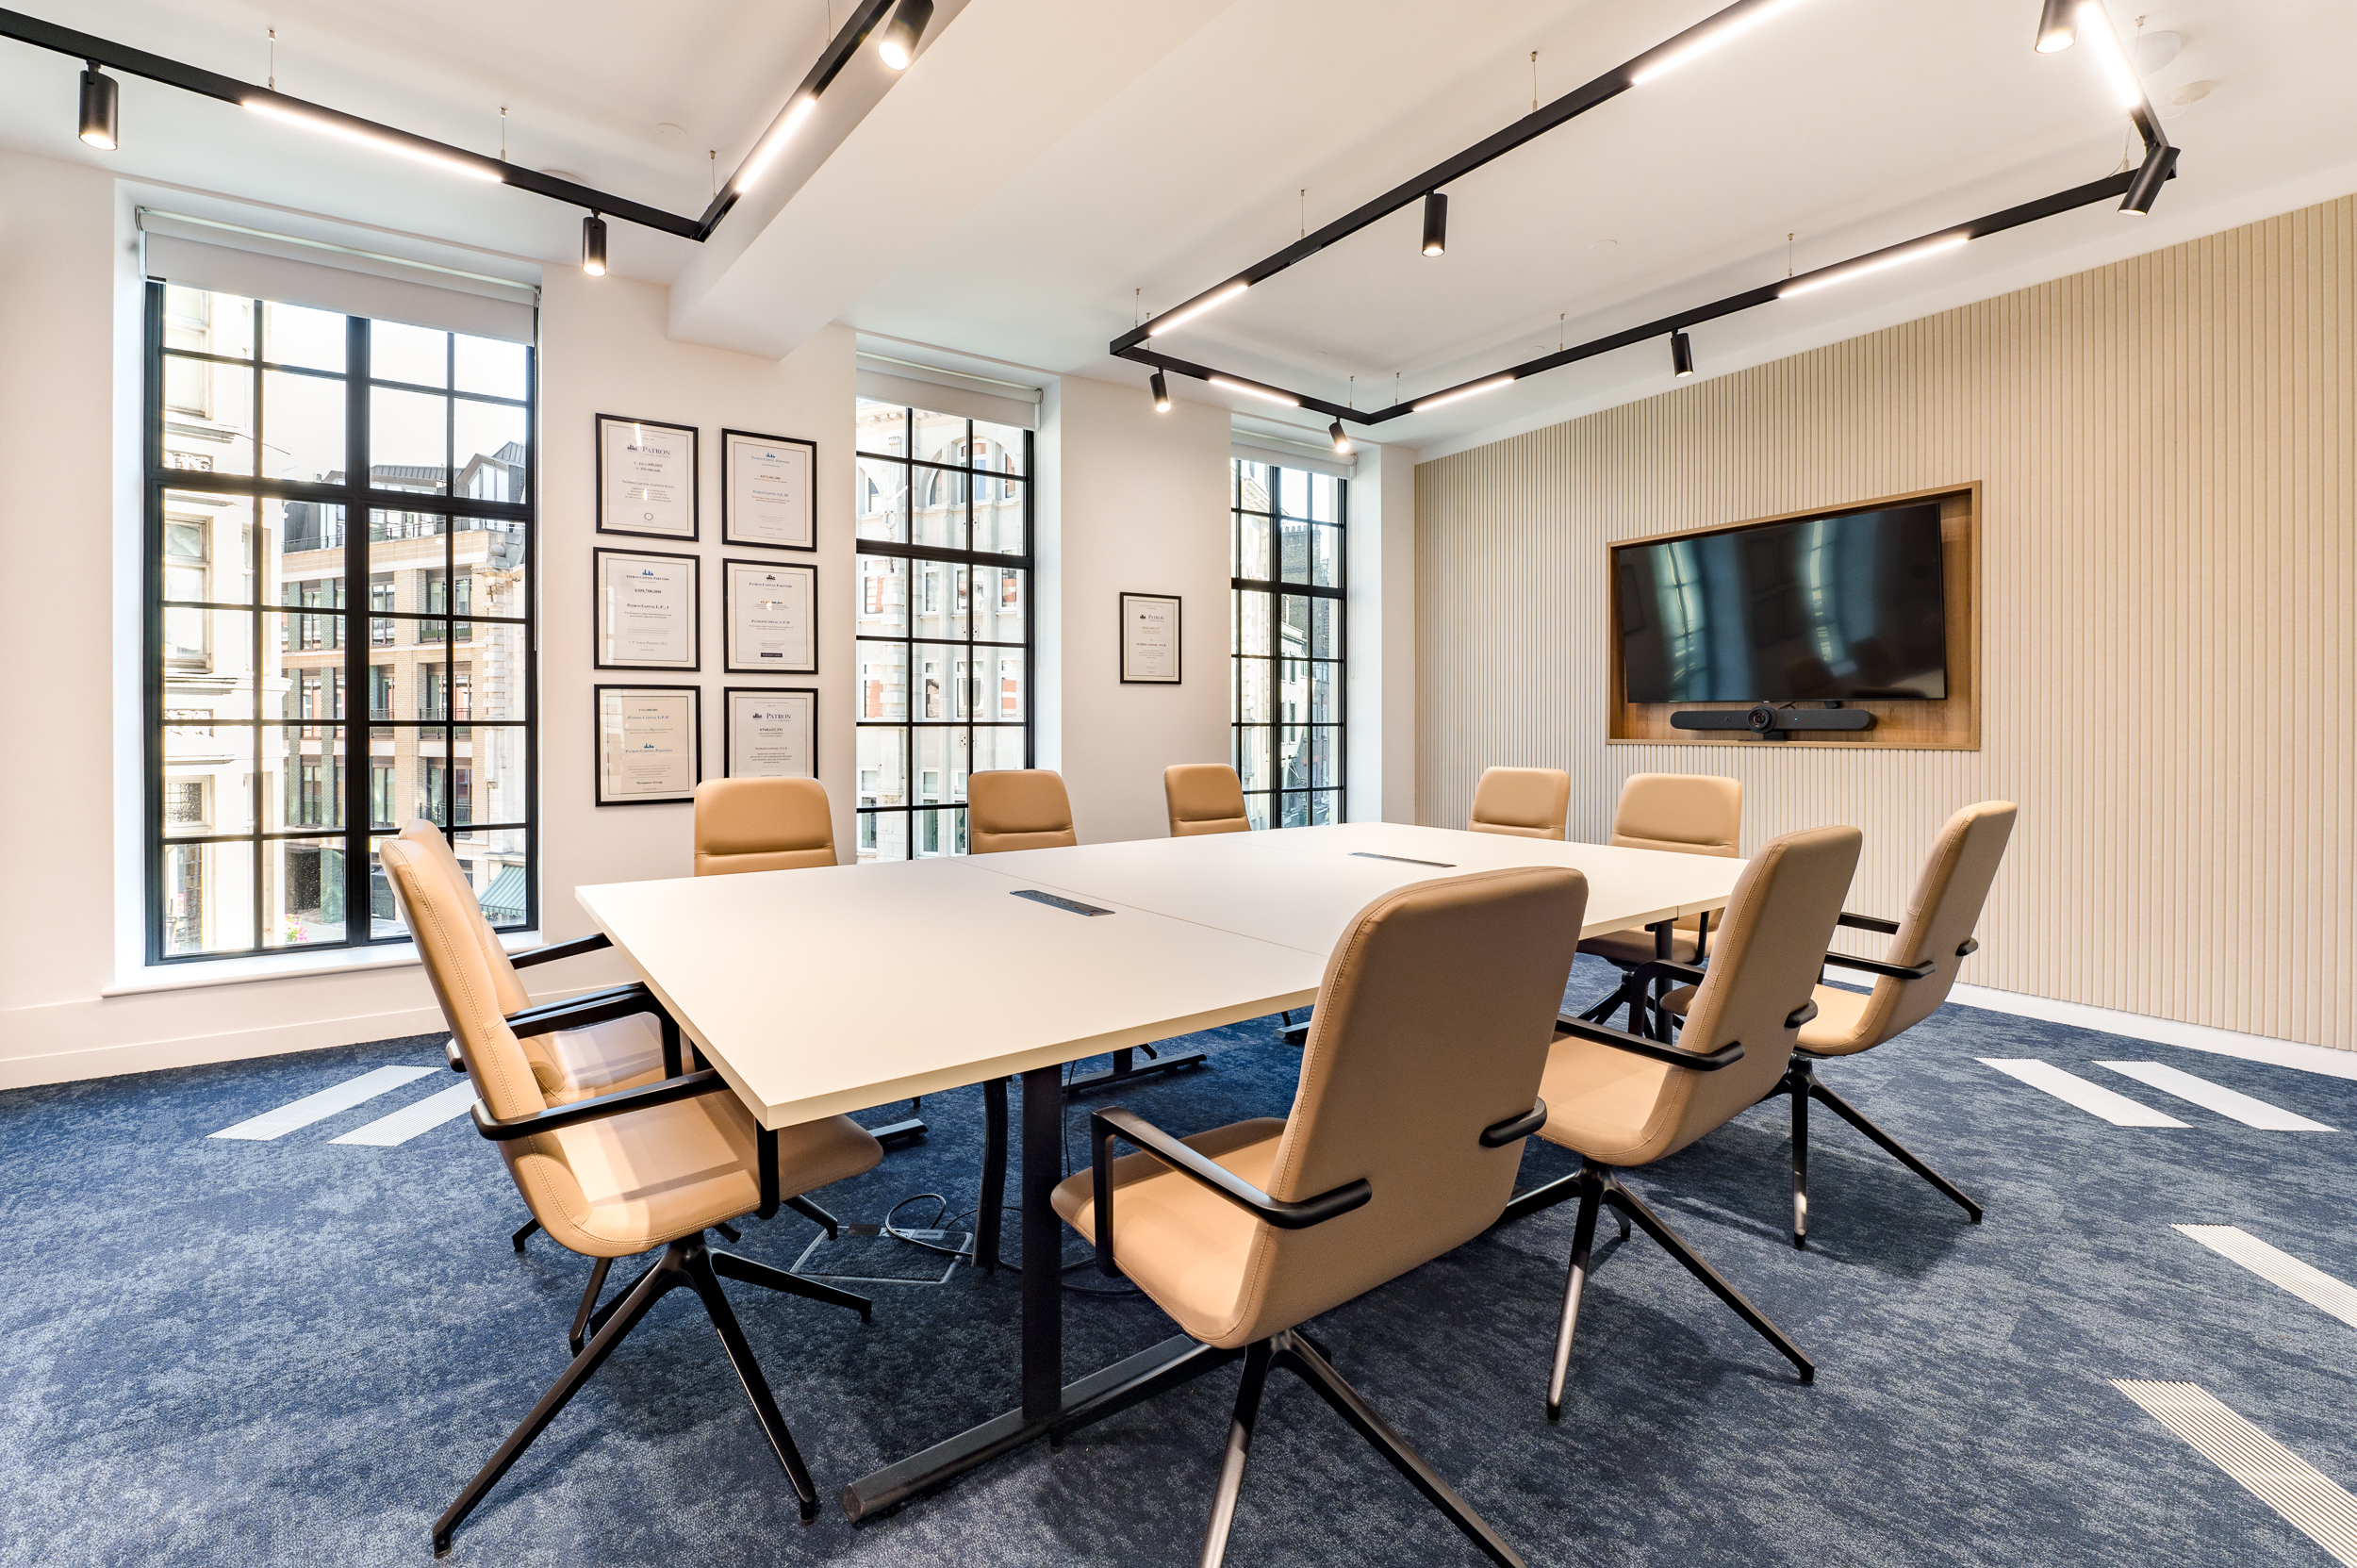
(838, 988)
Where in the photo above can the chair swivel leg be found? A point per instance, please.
(814, 1214)
(730, 1267)
(523, 1233)
(698, 1265)
(1575, 1283)
(579, 1336)
(1889, 1144)
(1240, 1424)
(1626, 1201)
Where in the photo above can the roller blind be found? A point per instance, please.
(1268, 449)
(947, 392)
(234, 260)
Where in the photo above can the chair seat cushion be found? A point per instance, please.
(1605, 1103)
(1183, 1245)
(1630, 949)
(1836, 1030)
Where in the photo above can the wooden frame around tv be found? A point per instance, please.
(1952, 725)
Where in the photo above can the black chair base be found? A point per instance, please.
(1295, 1352)
(1128, 1070)
(1801, 1084)
(685, 1262)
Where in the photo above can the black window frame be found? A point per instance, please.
(365, 900)
(1267, 806)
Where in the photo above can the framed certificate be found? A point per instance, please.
(649, 745)
(1149, 639)
(773, 614)
(646, 478)
(645, 613)
(766, 493)
(770, 734)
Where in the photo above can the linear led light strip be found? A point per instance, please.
(344, 132)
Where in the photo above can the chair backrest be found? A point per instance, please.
(1204, 797)
(1433, 1022)
(1763, 967)
(1694, 814)
(762, 825)
(1018, 808)
(1528, 802)
(1945, 906)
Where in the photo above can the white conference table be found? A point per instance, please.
(834, 989)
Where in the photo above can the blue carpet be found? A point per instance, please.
(296, 1351)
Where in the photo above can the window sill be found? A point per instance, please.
(240, 971)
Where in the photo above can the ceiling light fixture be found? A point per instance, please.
(2058, 28)
(593, 245)
(2154, 173)
(343, 132)
(1162, 392)
(1251, 391)
(1341, 437)
(1195, 307)
(100, 94)
(2122, 75)
(1475, 391)
(794, 115)
(1681, 354)
(1435, 224)
(1678, 51)
(899, 44)
(1896, 257)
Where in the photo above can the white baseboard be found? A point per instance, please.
(147, 1056)
(2165, 1032)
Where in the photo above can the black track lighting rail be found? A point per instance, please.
(862, 20)
(2134, 187)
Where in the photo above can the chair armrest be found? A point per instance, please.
(594, 1007)
(1637, 1045)
(550, 951)
(1117, 1123)
(687, 1086)
(1514, 1129)
(451, 1055)
(1876, 967)
(1664, 969)
(1966, 947)
(1868, 922)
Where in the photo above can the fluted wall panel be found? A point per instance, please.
(2168, 447)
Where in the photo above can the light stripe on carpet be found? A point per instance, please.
(2071, 1089)
(410, 1120)
(2216, 1097)
(327, 1102)
(2304, 1280)
(2318, 1506)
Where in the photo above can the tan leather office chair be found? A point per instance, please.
(1018, 808)
(621, 1172)
(1204, 797)
(1913, 978)
(1693, 813)
(1618, 1099)
(762, 825)
(1527, 803)
(1417, 1090)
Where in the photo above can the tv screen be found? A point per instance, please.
(1819, 609)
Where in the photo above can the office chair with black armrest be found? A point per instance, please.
(621, 1172)
(1418, 1089)
(1619, 1100)
(1691, 814)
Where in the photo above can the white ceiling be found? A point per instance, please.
(1044, 158)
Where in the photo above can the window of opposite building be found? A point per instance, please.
(334, 505)
(1287, 606)
(943, 661)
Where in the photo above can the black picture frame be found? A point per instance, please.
(729, 537)
(728, 727)
(728, 617)
(1178, 642)
(695, 481)
(695, 611)
(597, 743)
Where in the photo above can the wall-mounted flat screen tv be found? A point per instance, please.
(1831, 608)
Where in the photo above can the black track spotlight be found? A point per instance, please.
(1435, 224)
(1162, 394)
(1341, 438)
(2058, 26)
(1681, 354)
(2151, 175)
(593, 245)
(100, 94)
(899, 44)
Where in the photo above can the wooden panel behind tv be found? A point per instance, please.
(1952, 725)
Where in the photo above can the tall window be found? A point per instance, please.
(1287, 558)
(944, 613)
(326, 497)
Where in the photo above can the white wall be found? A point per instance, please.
(1381, 708)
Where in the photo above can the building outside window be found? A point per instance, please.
(293, 452)
(944, 571)
(1287, 620)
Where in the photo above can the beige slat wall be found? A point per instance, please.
(2168, 449)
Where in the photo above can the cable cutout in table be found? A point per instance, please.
(1404, 860)
(1073, 906)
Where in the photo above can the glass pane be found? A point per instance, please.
(1252, 691)
(882, 757)
(1293, 690)
(940, 437)
(1323, 488)
(209, 897)
(409, 440)
(998, 748)
(881, 427)
(943, 755)
(879, 500)
(209, 416)
(998, 448)
(209, 654)
(1325, 557)
(938, 507)
(1326, 806)
(496, 757)
(207, 546)
(487, 674)
(882, 605)
(487, 365)
(497, 868)
(1251, 547)
(1256, 809)
(302, 426)
(998, 514)
(435, 785)
(940, 588)
(1252, 756)
(398, 351)
(884, 835)
(1005, 695)
(303, 552)
(408, 575)
(303, 666)
(490, 554)
(293, 336)
(883, 680)
(937, 674)
(1294, 550)
(1325, 693)
(207, 773)
(1326, 756)
(1252, 487)
(1293, 626)
(205, 322)
(303, 891)
(1293, 758)
(302, 776)
(999, 604)
(1293, 810)
(489, 438)
(1326, 616)
(1293, 492)
(385, 917)
(1252, 610)
(938, 833)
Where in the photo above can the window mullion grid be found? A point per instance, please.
(359, 738)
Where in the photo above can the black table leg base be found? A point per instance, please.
(1125, 1069)
(901, 1131)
